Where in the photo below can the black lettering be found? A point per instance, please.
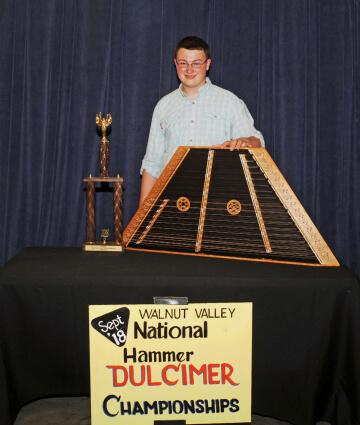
(105, 405)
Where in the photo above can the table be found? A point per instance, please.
(306, 327)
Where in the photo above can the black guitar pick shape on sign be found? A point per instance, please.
(113, 325)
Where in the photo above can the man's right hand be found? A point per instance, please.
(147, 183)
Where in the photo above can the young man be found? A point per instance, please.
(198, 113)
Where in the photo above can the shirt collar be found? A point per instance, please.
(202, 89)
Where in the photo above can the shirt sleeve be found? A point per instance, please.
(155, 147)
(243, 123)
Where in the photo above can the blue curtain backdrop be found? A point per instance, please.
(294, 62)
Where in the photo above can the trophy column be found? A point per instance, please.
(90, 210)
(104, 244)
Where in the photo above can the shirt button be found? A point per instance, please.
(192, 121)
(190, 140)
(193, 102)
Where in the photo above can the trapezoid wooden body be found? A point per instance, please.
(232, 204)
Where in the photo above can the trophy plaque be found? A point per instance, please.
(104, 244)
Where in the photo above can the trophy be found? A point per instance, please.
(91, 244)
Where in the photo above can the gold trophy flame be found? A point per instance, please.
(103, 123)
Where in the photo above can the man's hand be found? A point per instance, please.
(147, 183)
(241, 142)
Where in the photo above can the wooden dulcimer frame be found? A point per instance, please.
(230, 204)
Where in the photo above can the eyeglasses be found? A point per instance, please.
(193, 65)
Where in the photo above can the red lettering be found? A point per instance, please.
(149, 380)
(132, 376)
(115, 370)
(165, 377)
(202, 371)
(184, 374)
(226, 372)
(210, 374)
(213, 373)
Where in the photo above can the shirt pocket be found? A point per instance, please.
(214, 127)
(168, 123)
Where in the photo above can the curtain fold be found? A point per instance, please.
(295, 63)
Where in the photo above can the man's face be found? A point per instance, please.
(192, 77)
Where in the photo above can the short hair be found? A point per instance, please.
(193, 43)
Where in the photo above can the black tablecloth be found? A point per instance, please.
(306, 328)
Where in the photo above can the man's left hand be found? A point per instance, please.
(241, 142)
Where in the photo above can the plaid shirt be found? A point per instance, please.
(214, 116)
